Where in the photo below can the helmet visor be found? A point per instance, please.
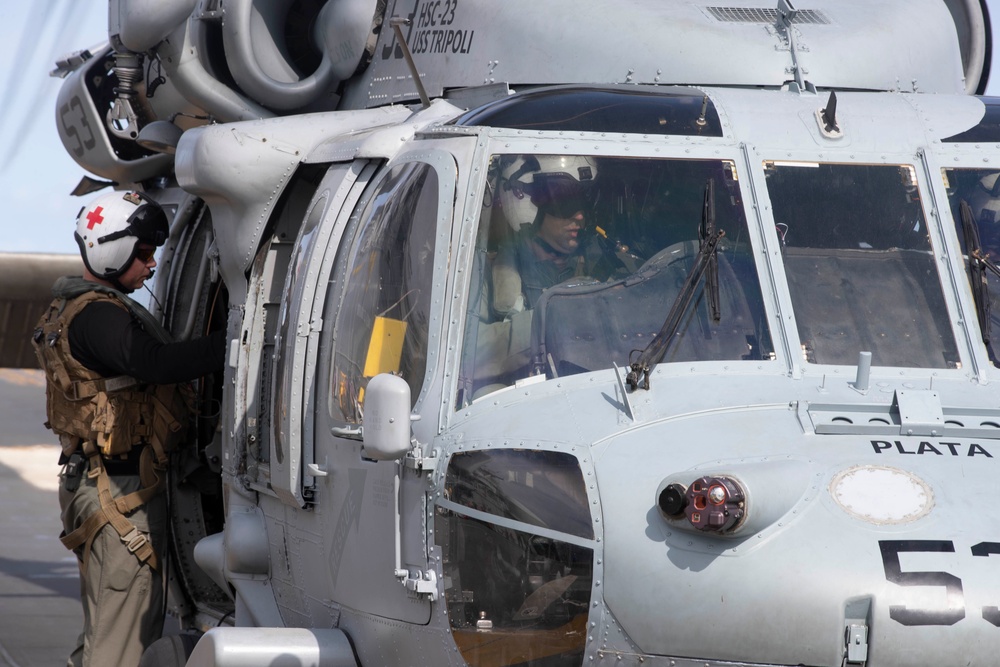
(149, 224)
(560, 194)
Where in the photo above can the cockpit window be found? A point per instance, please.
(974, 195)
(541, 488)
(517, 587)
(580, 260)
(860, 267)
(675, 110)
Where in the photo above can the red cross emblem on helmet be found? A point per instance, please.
(95, 217)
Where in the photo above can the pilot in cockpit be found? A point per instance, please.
(549, 200)
(543, 235)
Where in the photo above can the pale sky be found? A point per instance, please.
(35, 171)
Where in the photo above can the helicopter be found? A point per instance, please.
(755, 418)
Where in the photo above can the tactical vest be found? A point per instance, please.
(107, 417)
(116, 413)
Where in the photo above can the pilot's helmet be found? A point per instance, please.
(109, 229)
(556, 184)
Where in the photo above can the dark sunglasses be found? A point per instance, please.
(144, 254)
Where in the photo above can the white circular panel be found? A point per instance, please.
(882, 495)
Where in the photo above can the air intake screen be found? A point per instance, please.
(765, 15)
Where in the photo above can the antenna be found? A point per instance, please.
(396, 24)
(826, 118)
(830, 113)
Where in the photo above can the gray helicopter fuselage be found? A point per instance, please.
(751, 419)
(863, 488)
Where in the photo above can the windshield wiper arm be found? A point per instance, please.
(706, 231)
(706, 266)
(979, 263)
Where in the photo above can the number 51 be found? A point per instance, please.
(955, 610)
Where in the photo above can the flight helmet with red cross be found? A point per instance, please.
(110, 228)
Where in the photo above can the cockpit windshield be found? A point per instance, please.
(579, 260)
(974, 195)
(860, 267)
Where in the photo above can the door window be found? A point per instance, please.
(385, 275)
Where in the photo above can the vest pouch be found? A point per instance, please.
(66, 417)
(118, 422)
(172, 406)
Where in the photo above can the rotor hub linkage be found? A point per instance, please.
(122, 119)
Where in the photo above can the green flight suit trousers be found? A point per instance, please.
(123, 599)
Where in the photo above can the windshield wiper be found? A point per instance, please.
(706, 231)
(706, 266)
(979, 264)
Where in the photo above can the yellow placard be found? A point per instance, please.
(386, 346)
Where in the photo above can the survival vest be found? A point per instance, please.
(108, 417)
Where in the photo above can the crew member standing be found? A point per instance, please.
(118, 399)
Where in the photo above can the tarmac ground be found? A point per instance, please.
(40, 612)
